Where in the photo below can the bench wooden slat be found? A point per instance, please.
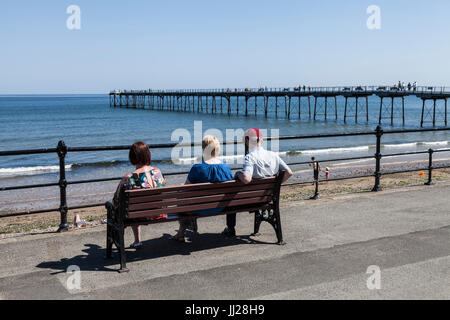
(134, 222)
(199, 199)
(250, 208)
(190, 194)
(192, 187)
(198, 207)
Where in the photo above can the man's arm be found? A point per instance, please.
(287, 175)
(246, 174)
(243, 177)
(287, 171)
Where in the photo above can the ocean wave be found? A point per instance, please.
(100, 164)
(435, 143)
(31, 170)
(334, 150)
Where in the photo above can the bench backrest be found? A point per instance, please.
(148, 203)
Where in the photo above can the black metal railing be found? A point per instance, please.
(62, 150)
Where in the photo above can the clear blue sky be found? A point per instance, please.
(210, 43)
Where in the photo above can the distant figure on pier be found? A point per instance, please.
(145, 176)
(327, 173)
(409, 86)
(210, 170)
(258, 163)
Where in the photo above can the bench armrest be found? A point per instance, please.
(111, 210)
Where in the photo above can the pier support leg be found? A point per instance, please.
(309, 107)
(356, 110)
(289, 109)
(434, 112)
(445, 112)
(423, 113)
(403, 110)
(246, 106)
(276, 107)
(345, 110)
(285, 106)
(315, 107)
(335, 108)
(266, 103)
(367, 109)
(392, 111)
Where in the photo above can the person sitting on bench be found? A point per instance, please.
(210, 170)
(145, 176)
(258, 163)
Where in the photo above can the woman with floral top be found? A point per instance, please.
(145, 176)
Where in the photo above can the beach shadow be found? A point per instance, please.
(94, 257)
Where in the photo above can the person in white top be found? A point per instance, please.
(258, 163)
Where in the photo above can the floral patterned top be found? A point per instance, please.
(150, 178)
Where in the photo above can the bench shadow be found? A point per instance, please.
(94, 257)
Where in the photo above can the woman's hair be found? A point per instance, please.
(212, 145)
(140, 154)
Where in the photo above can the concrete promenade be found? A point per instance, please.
(330, 245)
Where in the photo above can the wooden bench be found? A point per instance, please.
(141, 206)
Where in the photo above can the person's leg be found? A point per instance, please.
(137, 236)
(231, 224)
(231, 220)
(181, 231)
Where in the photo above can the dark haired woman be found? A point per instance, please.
(145, 176)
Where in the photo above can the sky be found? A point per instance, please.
(193, 44)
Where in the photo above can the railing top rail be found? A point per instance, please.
(196, 144)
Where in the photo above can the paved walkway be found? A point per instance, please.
(331, 244)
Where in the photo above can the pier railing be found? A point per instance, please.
(331, 89)
(62, 150)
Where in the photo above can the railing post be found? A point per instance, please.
(63, 209)
(430, 168)
(379, 134)
(316, 181)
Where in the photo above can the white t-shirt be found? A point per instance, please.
(260, 163)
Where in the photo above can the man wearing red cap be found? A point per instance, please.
(258, 163)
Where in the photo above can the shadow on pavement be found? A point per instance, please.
(94, 257)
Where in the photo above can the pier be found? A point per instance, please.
(313, 103)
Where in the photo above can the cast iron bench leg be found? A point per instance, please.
(257, 224)
(109, 242)
(123, 257)
(277, 227)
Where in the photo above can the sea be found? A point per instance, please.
(41, 121)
